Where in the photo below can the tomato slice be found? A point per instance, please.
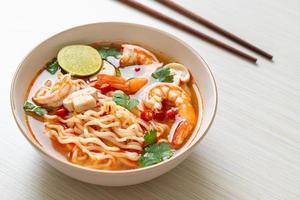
(160, 115)
(62, 112)
(171, 113)
(65, 126)
(147, 115)
(137, 69)
(105, 88)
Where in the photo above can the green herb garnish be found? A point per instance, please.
(155, 153)
(118, 72)
(30, 107)
(124, 101)
(40, 111)
(150, 137)
(53, 66)
(163, 75)
(106, 52)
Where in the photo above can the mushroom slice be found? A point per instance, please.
(107, 69)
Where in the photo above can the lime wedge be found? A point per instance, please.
(79, 60)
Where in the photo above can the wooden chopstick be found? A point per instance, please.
(188, 29)
(214, 27)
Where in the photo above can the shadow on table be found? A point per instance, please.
(183, 182)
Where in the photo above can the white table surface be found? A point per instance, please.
(253, 148)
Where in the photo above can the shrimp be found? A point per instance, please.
(181, 100)
(52, 95)
(136, 55)
(130, 86)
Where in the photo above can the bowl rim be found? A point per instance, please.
(41, 150)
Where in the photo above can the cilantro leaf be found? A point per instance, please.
(132, 103)
(163, 75)
(155, 153)
(30, 107)
(150, 137)
(106, 52)
(40, 111)
(124, 101)
(120, 99)
(53, 66)
(148, 159)
(168, 79)
(118, 72)
(165, 150)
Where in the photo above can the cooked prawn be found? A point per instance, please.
(52, 95)
(136, 55)
(130, 86)
(181, 100)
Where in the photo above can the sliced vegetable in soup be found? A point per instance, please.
(112, 107)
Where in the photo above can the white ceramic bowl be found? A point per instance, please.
(116, 32)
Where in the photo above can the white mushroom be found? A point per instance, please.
(180, 72)
(107, 68)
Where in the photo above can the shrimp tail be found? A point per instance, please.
(182, 133)
(130, 86)
(135, 84)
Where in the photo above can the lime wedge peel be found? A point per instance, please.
(79, 60)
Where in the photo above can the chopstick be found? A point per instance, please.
(211, 40)
(214, 27)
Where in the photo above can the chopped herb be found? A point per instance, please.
(53, 66)
(30, 107)
(124, 101)
(132, 103)
(148, 159)
(150, 137)
(118, 72)
(120, 99)
(40, 111)
(163, 75)
(168, 79)
(106, 52)
(155, 153)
